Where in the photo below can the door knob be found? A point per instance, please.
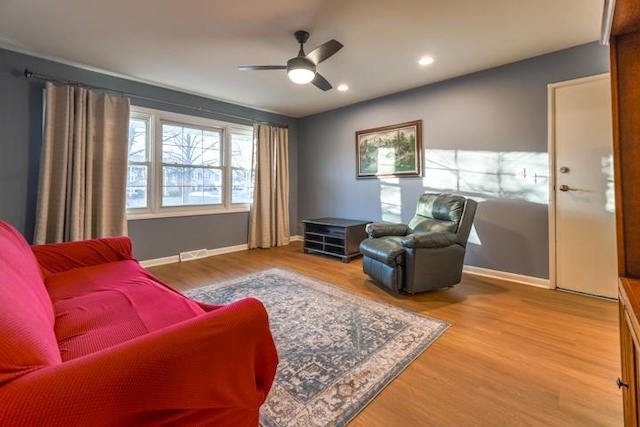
(621, 383)
(564, 187)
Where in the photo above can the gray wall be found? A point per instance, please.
(20, 142)
(484, 136)
(479, 131)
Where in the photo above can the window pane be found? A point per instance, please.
(211, 148)
(172, 177)
(211, 197)
(138, 131)
(185, 145)
(191, 186)
(172, 196)
(242, 187)
(172, 150)
(212, 178)
(137, 186)
(193, 178)
(171, 134)
(191, 146)
(241, 151)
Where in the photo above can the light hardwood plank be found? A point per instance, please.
(514, 355)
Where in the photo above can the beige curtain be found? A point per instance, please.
(269, 218)
(83, 166)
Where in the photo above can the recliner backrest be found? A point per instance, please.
(438, 212)
(466, 222)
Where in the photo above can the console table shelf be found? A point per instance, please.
(334, 236)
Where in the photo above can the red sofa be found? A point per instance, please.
(88, 337)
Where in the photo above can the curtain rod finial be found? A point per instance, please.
(27, 73)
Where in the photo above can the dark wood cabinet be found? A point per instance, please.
(629, 291)
(334, 236)
(621, 28)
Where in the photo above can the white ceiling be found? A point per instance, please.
(196, 45)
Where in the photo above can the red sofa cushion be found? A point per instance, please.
(99, 306)
(27, 337)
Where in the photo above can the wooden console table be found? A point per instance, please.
(334, 236)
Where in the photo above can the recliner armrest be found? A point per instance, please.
(379, 229)
(429, 240)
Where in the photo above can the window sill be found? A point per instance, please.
(179, 213)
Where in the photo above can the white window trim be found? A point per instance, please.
(154, 210)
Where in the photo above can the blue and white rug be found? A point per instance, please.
(337, 350)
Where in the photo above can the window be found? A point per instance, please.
(186, 165)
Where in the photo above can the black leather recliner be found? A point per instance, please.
(426, 254)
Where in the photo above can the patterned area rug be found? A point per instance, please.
(337, 350)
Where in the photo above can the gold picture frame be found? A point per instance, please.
(390, 151)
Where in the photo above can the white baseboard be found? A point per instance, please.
(176, 258)
(160, 261)
(296, 238)
(510, 277)
(227, 250)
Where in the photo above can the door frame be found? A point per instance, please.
(551, 144)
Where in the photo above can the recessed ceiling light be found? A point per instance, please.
(426, 60)
(343, 88)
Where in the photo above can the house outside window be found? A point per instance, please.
(187, 165)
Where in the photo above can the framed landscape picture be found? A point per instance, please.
(390, 151)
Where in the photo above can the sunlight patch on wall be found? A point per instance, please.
(386, 160)
(502, 175)
(473, 236)
(391, 199)
(610, 195)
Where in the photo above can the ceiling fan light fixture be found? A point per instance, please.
(301, 76)
(300, 70)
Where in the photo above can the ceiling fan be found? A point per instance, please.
(302, 68)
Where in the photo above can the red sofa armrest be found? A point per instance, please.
(215, 369)
(58, 257)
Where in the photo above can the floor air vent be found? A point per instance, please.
(191, 255)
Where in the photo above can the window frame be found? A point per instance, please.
(156, 118)
(148, 158)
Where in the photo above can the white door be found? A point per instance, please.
(581, 146)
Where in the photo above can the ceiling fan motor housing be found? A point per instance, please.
(300, 62)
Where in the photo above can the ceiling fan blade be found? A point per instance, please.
(321, 83)
(324, 51)
(261, 67)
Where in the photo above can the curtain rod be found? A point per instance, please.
(30, 74)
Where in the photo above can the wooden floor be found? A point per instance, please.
(514, 355)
